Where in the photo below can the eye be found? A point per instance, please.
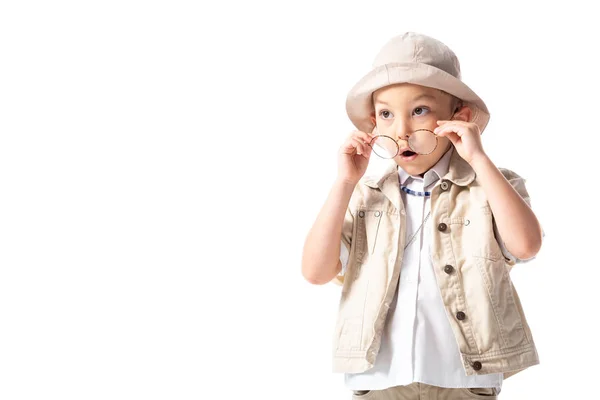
(385, 114)
(421, 111)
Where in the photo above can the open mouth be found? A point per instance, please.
(408, 153)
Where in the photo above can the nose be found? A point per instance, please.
(402, 130)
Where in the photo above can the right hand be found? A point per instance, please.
(353, 156)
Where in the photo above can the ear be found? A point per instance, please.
(373, 118)
(463, 114)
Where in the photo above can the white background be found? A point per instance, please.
(161, 163)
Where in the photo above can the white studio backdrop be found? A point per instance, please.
(162, 162)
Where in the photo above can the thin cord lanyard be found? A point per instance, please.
(415, 234)
(420, 194)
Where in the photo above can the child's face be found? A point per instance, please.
(403, 108)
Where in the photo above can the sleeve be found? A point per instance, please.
(518, 183)
(344, 256)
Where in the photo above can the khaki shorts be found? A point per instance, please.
(422, 391)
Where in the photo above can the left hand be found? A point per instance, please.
(465, 136)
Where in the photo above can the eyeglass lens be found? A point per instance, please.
(421, 141)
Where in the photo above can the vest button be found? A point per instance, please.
(361, 214)
(445, 185)
(377, 213)
(448, 269)
(460, 315)
(442, 227)
(476, 365)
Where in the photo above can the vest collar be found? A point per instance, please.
(459, 172)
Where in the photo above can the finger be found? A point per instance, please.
(366, 149)
(359, 145)
(362, 135)
(446, 130)
(445, 121)
(366, 153)
(349, 146)
(453, 137)
(440, 130)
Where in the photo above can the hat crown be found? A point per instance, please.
(411, 47)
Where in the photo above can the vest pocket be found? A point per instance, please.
(475, 232)
(497, 291)
(350, 334)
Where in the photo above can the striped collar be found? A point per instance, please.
(415, 193)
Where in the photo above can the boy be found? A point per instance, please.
(427, 308)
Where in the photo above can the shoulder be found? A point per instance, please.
(364, 191)
(509, 174)
(368, 183)
(359, 193)
(517, 182)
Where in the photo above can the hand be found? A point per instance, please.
(465, 136)
(353, 156)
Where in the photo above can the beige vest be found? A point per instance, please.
(481, 302)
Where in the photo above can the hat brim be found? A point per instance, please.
(359, 104)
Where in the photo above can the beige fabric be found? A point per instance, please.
(418, 59)
(422, 391)
(494, 335)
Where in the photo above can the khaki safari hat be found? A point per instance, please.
(418, 59)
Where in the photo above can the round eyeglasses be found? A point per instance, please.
(421, 141)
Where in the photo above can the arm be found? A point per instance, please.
(321, 254)
(517, 224)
